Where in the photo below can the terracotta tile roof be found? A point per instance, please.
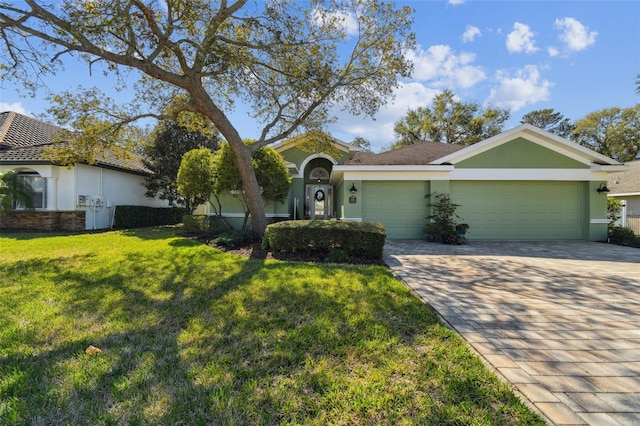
(17, 130)
(23, 140)
(625, 182)
(420, 154)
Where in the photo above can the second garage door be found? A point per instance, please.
(521, 210)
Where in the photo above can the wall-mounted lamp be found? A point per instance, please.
(353, 189)
(602, 188)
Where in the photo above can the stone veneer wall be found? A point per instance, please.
(43, 220)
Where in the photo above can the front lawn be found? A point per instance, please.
(192, 335)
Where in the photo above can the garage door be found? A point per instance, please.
(521, 210)
(399, 206)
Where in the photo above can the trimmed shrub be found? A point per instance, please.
(141, 216)
(359, 239)
(204, 225)
(234, 238)
(624, 237)
(196, 224)
(337, 256)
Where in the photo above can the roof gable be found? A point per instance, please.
(521, 153)
(286, 145)
(296, 155)
(535, 135)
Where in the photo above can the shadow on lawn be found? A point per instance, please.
(138, 331)
(150, 233)
(211, 343)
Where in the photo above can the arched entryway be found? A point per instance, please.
(319, 194)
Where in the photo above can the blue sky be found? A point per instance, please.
(573, 56)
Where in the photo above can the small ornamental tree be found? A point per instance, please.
(269, 167)
(614, 211)
(441, 222)
(196, 177)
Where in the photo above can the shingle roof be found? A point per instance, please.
(24, 139)
(625, 182)
(420, 154)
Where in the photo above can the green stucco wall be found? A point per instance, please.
(297, 155)
(597, 209)
(347, 209)
(519, 154)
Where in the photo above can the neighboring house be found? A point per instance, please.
(625, 186)
(80, 196)
(523, 184)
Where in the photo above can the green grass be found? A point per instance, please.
(192, 335)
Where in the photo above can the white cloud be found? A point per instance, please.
(444, 68)
(343, 19)
(456, 2)
(574, 34)
(470, 33)
(523, 88)
(380, 131)
(16, 107)
(521, 39)
(553, 51)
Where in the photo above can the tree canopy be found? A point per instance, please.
(196, 177)
(449, 120)
(163, 156)
(614, 132)
(283, 59)
(361, 144)
(549, 120)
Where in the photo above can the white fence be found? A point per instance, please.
(633, 222)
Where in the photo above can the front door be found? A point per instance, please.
(319, 201)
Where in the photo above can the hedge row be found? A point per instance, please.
(140, 216)
(204, 225)
(361, 239)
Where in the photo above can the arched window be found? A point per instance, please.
(319, 173)
(38, 185)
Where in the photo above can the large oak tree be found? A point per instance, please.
(289, 61)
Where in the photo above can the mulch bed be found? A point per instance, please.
(255, 251)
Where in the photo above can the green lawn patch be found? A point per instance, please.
(192, 335)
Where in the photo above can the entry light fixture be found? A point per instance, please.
(353, 189)
(602, 189)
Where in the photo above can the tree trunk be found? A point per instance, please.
(242, 153)
(251, 188)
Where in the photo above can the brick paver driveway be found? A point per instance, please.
(558, 320)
